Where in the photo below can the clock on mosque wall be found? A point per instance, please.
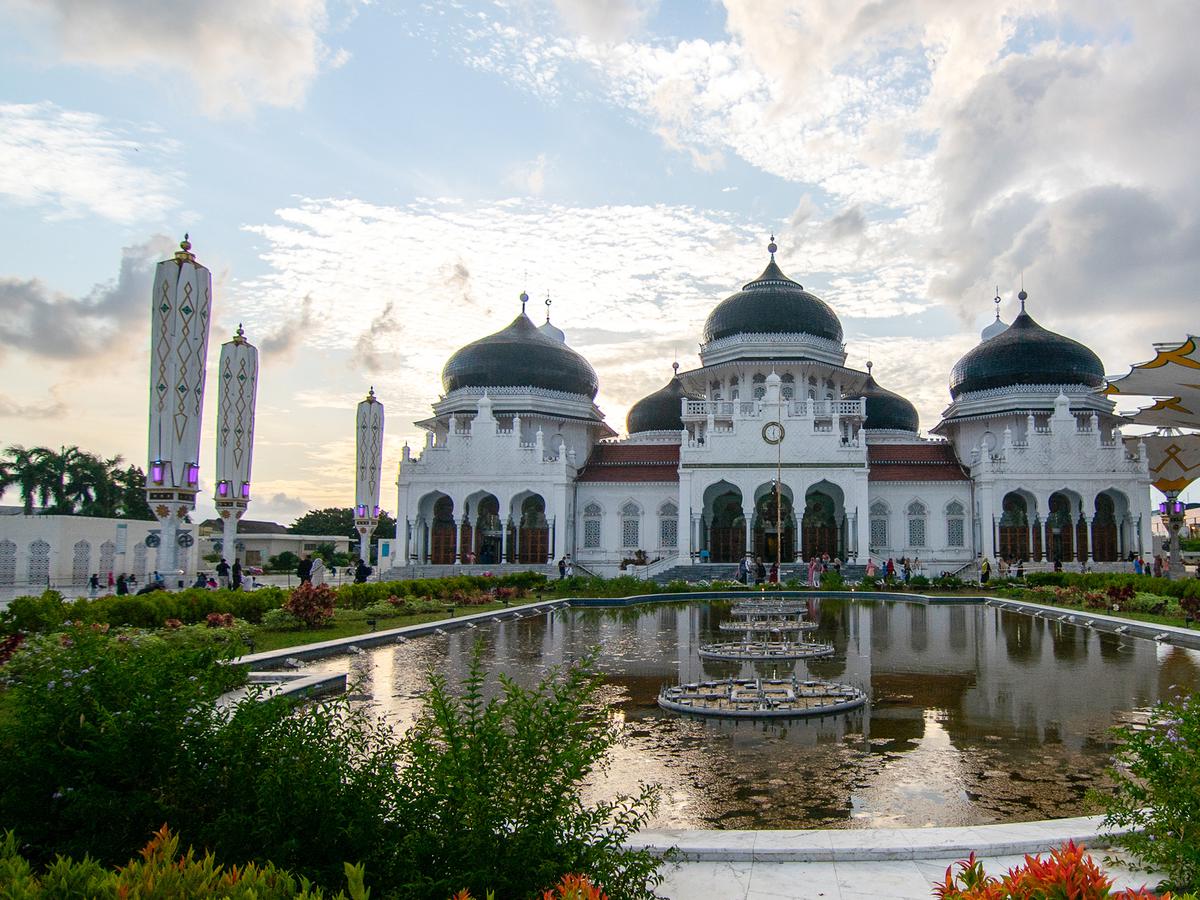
(772, 432)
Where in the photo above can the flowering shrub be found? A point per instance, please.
(218, 620)
(312, 604)
(1068, 872)
(571, 887)
(1157, 792)
(161, 872)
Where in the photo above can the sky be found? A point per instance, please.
(373, 184)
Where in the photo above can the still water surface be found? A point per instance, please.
(977, 715)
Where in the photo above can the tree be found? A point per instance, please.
(339, 520)
(74, 482)
(24, 470)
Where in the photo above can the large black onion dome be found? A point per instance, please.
(886, 409)
(1026, 353)
(772, 304)
(520, 356)
(660, 411)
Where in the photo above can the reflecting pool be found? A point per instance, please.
(977, 715)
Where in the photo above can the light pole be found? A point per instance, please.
(1172, 512)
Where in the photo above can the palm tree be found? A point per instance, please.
(27, 471)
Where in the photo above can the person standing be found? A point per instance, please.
(94, 586)
(122, 585)
(760, 571)
(562, 568)
(317, 573)
(570, 568)
(237, 575)
(304, 570)
(985, 572)
(223, 573)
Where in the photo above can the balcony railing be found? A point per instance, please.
(756, 409)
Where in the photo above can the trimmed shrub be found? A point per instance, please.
(312, 604)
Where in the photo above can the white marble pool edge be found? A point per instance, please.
(812, 845)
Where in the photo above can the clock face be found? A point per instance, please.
(772, 432)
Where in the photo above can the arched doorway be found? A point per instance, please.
(1060, 529)
(529, 536)
(1015, 533)
(727, 524)
(488, 536)
(441, 532)
(820, 526)
(766, 541)
(1105, 542)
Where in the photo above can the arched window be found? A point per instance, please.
(734, 393)
(916, 524)
(631, 520)
(879, 525)
(591, 526)
(788, 390)
(668, 525)
(956, 525)
(760, 386)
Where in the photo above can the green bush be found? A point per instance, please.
(92, 728)
(105, 736)
(1157, 792)
(492, 790)
(833, 581)
(43, 612)
(162, 871)
(281, 620)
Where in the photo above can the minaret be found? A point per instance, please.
(369, 463)
(237, 391)
(182, 307)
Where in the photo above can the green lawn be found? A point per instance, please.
(349, 622)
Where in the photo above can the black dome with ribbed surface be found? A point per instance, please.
(887, 410)
(660, 411)
(520, 356)
(1026, 353)
(773, 304)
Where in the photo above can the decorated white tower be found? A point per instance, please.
(369, 460)
(236, 393)
(182, 307)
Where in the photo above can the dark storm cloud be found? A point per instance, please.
(44, 323)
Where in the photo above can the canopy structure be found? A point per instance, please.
(1174, 459)
(1172, 378)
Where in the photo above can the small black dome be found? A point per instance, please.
(772, 304)
(660, 411)
(1026, 353)
(886, 409)
(520, 356)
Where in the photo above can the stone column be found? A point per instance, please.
(504, 523)
(987, 521)
(1091, 537)
(458, 524)
(748, 515)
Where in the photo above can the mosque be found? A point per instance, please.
(773, 446)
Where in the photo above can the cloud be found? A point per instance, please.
(375, 351)
(287, 335)
(238, 55)
(529, 177)
(42, 323)
(76, 163)
(604, 20)
(14, 409)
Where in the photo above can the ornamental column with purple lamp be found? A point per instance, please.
(180, 313)
(368, 467)
(237, 390)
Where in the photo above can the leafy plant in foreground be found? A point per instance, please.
(491, 791)
(1157, 791)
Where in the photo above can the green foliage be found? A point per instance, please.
(103, 737)
(1101, 581)
(153, 610)
(491, 790)
(1157, 793)
(833, 581)
(281, 620)
(162, 872)
(71, 481)
(92, 729)
(287, 561)
(339, 520)
(360, 596)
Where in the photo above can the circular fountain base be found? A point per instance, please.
(761, 698)
(764, 650)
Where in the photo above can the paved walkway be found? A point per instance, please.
(896, 863)
(904, 879)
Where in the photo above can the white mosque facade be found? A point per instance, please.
(520, 467)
